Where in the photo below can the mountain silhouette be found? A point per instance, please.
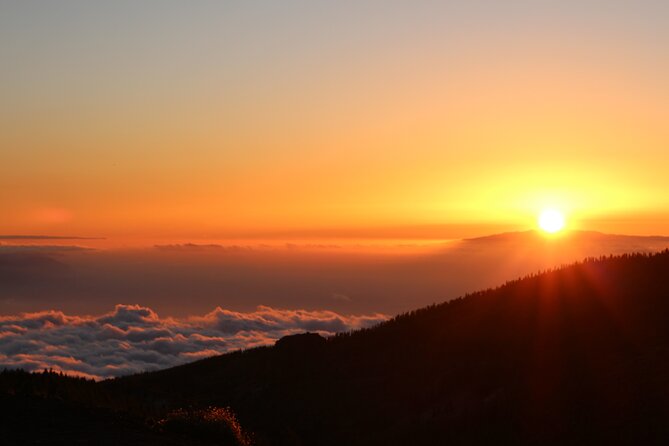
(573, 355)
(577, 239)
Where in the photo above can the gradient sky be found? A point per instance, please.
(228, 119)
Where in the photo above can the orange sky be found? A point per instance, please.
(221, 121)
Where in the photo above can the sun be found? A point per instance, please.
(551, 220)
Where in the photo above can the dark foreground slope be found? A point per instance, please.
(578, 355)
(52, 409)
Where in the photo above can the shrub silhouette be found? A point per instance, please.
(216, 424)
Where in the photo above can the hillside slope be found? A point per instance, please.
(577, 355)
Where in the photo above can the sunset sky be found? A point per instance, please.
(268, 119)
(182, 179)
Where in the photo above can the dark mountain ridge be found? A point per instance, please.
(574, 355)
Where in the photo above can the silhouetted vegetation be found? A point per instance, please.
(574, 355)
(54, 409)
(216, 424)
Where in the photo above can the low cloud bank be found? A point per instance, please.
(133, 339)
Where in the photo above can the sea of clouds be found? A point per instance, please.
(134, 339)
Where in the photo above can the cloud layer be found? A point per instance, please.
(133, 339)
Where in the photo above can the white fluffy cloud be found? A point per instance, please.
(133, 339)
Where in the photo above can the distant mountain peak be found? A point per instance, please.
(567, 234)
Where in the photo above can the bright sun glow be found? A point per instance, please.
(551, 220)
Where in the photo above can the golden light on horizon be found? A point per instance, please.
(551, 220)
